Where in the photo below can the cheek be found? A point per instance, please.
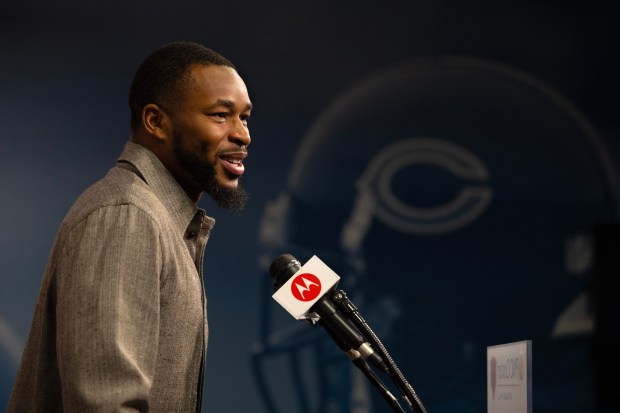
(205, 151)
(202, 138)
(207, 136)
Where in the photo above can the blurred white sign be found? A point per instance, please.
(509, 378)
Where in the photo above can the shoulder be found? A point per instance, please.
(119, 190)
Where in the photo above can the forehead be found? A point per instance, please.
(209, 83)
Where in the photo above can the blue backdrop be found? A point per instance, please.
(450, 161)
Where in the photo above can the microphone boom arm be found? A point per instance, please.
(340, 298)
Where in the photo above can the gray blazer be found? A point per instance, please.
(120, 322)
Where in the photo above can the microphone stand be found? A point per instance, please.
(363, 366)
(340, 298)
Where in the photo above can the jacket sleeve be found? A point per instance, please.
(108, 311)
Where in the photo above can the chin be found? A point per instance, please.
(230, 183)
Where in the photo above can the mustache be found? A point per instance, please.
(238, 149)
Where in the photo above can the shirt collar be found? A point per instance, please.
(179, 205)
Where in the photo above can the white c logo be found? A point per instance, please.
(375, 195)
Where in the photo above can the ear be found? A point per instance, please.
(156, 122)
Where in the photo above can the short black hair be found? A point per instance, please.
(162, 75)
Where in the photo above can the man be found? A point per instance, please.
(120, 323)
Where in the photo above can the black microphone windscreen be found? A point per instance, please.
(283, 268)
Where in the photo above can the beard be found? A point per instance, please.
(203, 173)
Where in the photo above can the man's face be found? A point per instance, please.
(210, 135)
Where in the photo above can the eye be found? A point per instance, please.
(244, 118)
(219, 116)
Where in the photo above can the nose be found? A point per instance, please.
(240, 133)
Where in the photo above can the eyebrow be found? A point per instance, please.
(230, 104)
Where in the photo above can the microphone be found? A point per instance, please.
(304, 291)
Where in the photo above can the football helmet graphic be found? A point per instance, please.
(456, 198)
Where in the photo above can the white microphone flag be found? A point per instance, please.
(311, 282)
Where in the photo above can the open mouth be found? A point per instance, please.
(233, 162)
